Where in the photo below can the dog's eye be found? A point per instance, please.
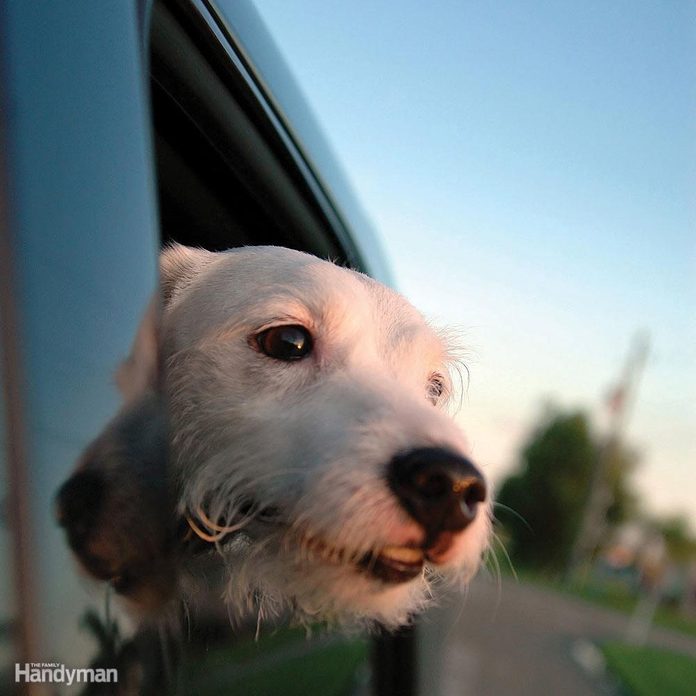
(285, 342)
(436, 388)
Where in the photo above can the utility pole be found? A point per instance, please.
(620, 402)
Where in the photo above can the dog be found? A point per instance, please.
(285, 432)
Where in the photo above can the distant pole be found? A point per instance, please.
(653, 554)
(620, 402)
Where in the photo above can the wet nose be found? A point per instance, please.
(439, 489)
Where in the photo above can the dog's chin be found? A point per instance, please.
(318, 582)
(343, 595)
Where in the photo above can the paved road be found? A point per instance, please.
(520, 640)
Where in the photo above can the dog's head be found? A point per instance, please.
(308, 441)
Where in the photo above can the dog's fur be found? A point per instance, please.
(290, 455)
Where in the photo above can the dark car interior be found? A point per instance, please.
(225, 176)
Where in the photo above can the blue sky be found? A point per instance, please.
(530, 168)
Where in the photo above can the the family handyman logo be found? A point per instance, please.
(58, 673)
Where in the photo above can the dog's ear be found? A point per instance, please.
(117, 509)
(140, 371)
(179, 265)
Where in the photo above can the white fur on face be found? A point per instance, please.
(308, 440)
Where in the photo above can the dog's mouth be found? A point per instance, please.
(390, 564)
(395, 564)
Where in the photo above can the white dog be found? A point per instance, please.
(294, 409)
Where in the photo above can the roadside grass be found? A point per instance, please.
(284, 663)
(645, 671)
(619, 598)
(612, 595)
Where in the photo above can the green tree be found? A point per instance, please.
(624, 501)
(542, 503)
(681, 544)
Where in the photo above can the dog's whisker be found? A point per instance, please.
(496, 538)
(219, 531)
(499, 581)
(216, 527)
(497, 571)
(212, 538)
(496, 504)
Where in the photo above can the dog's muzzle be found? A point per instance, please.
(439, 489)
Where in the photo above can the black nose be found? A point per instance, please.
(438, 488)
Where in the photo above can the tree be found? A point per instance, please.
(681, 544)
(542, 503)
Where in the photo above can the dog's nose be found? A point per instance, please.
(438, 488)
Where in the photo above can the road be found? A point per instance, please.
(522, 640)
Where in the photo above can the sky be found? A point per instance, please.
(530, 169)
